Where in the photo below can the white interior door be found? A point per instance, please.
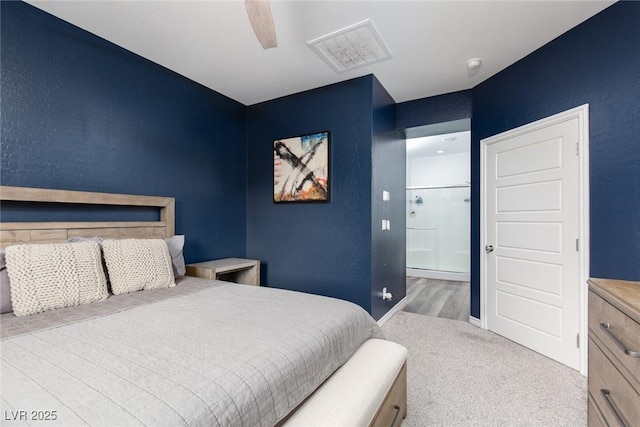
(531, 229)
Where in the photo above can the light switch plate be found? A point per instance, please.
(386, 196)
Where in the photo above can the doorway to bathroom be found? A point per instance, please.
(438, 218)
(438, 210)
(438, 206)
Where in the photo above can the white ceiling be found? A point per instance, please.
(212, 42)
(439, 145)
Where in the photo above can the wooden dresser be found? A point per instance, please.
(614, 353)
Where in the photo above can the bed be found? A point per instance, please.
(203, 352)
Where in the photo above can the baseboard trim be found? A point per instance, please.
(438, 275)
(396, 308)
(475, 321)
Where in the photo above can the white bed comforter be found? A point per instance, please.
(212, 354)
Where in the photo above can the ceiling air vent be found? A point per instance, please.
(354, 46)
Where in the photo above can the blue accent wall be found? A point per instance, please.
(388, 257)
(434, 109)
(322, 248)
(335, 249)
(80, 113)
(597, 62)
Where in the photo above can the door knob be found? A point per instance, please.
(488, 248)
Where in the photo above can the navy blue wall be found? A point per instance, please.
(598, 63)
(80, 113)
(388, 153)
(434, 109)
(319, 248)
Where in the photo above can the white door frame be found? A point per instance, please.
(582, 114)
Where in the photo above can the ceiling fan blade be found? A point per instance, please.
(262, 22)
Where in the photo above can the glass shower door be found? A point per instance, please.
(438, 228)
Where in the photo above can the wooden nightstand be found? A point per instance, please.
(238, 270)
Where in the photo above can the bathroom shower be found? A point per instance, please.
(438, 228)
(438, 206)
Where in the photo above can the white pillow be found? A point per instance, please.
(5, 287)
(55, 275)
(138, 264)
(96, 239)
(176, 250)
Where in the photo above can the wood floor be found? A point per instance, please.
(439, 298)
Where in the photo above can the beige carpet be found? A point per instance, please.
(461, 375)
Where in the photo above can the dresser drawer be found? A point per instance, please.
(611, 392)
(595, 417)
(617, 332)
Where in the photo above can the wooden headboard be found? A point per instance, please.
(49, 232)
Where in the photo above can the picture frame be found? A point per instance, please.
(301, 168)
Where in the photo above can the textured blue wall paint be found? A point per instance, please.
(318, 248)
(598, 63)
(80, 113)
(37, 212)
(389, 173)
(434, 109)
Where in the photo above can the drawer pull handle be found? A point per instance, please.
(605, 328)
(397, 408)
(607, 398)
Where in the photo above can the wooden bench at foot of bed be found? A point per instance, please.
(369, 390)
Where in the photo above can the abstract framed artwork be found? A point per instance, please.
(301, 168)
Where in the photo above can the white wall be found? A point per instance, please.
(438, 171)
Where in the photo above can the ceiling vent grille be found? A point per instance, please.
(351, 47)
